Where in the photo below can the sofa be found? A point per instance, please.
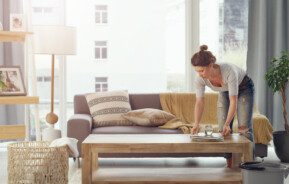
(79, 125)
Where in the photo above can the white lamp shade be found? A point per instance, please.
(57, 40)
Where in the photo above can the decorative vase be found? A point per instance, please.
(281, 144)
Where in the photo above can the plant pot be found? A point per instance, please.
(281, 144)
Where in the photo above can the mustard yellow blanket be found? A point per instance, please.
(179, 105)
(182, 106)
(262, 129)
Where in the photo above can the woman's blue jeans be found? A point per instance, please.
(245, 105)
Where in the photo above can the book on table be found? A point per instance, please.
(204, 138)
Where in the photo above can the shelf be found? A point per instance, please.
(12, 131)
(8, 100)
(13, 36)
(161, 175)
(16, 131)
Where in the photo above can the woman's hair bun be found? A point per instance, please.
(203, 47)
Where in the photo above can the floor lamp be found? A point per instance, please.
(53, 40)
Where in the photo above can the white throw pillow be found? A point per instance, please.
(106, 108)
(148, 117)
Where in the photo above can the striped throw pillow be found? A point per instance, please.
(106, 108)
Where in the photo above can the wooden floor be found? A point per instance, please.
(200, 170)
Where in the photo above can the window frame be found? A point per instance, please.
(43, 10)
(101, 16)
(101, 47)
(101, 84)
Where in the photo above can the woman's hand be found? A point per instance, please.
(195, 129)
(226, 130)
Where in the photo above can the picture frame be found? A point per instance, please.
(11, 81)
(17, 22)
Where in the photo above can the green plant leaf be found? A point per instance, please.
(277, 75)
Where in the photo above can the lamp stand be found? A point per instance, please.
(49, 134)
(51, 117)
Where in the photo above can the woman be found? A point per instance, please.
(236, 93)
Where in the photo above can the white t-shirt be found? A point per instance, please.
(232, 76)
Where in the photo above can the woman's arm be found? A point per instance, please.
(231, 113)
(199, 109)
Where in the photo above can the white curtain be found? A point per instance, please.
(192, 38)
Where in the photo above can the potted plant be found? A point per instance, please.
(277, 79)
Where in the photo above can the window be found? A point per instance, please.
(229, 20)
(43, 79)
(100, 50)
(42, 10)
(39, 79)
(47, 12)
(101, 14)
(101, 84)
(146, 56)
(47, 79)
(144, 53)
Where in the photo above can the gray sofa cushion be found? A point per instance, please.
(141, 101)
(133, 130)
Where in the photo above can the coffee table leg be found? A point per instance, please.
(236, 159)
(86, 164)
(94, 161)
(248, 152)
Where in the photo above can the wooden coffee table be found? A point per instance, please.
(238, 145)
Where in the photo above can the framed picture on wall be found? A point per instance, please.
(11, 81)
(17, 22)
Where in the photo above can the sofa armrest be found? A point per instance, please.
(262, 129)
(79, 127)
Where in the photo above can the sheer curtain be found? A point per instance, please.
(11, 54)
(268, 36)
(192, 39)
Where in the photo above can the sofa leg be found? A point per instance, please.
(78, 162)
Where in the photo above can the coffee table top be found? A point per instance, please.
(156, 139)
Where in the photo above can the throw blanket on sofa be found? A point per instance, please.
(182, 106)
(262, 129)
